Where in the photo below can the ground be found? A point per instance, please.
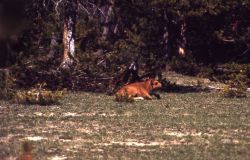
(191, 124)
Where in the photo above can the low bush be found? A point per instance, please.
(236, 87)
(38, 96)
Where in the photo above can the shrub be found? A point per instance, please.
(185, 65)
(39, 96)
(236, 87)
(230, 92)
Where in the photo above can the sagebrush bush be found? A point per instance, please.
(38, 96)
(236, 87)
(230, 92)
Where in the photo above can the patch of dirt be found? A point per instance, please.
(144, 144)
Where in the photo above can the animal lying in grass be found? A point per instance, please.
(139, 90)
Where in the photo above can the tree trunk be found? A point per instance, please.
(169, 37)
(53, 46)
(108, 12)
(174, 38)
(183, 40)
(165, 38)
(9, 48)
(69, 34)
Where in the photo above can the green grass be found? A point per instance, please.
(199, 125)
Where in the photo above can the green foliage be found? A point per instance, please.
(231, 71)
(184, 66)
(206, 72)
(142, 26)
(236, 76)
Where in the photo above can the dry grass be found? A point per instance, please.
(192, 125)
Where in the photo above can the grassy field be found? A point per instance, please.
(191, 125)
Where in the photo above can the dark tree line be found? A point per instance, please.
(102, 37)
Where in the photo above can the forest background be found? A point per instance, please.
(83, 44)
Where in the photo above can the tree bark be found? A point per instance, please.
(108, 12)
(69, 34)
(9, 48)
(107, 22)
(53, 46)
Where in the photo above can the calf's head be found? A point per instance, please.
(154, 84)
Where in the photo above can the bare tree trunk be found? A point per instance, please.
(108, 11)
(8, 51)
(169, 36)
(165, 37)
(53, 46)
(69, 34)
(174, 37)
(183, 40)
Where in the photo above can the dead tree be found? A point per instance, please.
(69, 33)
(108, 11)
(182, 42)
(174, 36)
